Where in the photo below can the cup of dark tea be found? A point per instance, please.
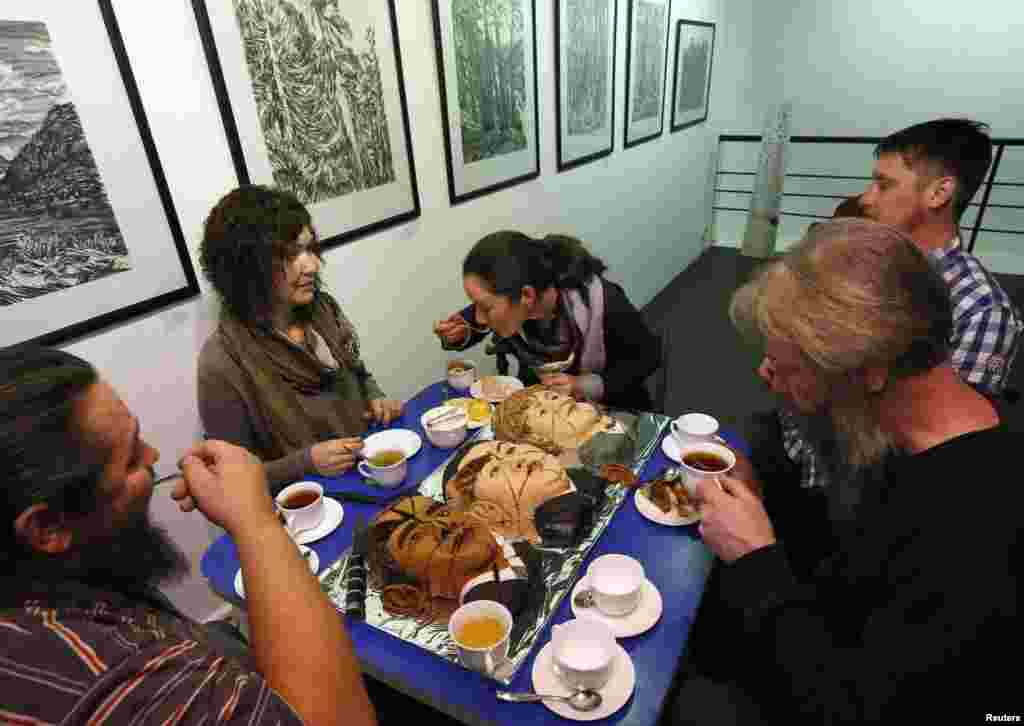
(704, 460)
(387, 467)
(302, 505)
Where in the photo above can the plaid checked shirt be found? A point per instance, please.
(986, 328)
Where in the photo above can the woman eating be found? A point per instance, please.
(281, 375)
(545, 300)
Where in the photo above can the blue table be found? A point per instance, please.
(674, 559)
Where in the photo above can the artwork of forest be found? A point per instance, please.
(649, 60)
(693, 75)
(317, 84)
(490, 54)
(587, 65)
(57, 228)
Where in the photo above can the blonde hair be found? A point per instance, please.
(852, 294)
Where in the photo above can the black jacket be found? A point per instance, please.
(632, 352)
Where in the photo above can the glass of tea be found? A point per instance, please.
(302, 505)
(480, 631)
(387, 467)
(704, 460)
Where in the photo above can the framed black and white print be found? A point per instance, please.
(487, 64)
(89, 236)
(312, 98)
(585, 32)
(646, 57)
(695, 50)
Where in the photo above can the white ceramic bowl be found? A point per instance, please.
(450, 432)
(461, 381)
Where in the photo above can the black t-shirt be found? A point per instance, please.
(915, 613)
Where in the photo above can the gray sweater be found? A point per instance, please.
(229, 410)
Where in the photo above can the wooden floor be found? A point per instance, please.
(708, 368)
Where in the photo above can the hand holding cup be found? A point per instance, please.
(334, 457)
(734, 522)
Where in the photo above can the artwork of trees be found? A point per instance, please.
(57, 227)
(693, 75)
(587, 65)
(649, 60)
(490, 47)
(317, 84)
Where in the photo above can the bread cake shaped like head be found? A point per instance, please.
(548, 420)
(502, 484)
(432, 544)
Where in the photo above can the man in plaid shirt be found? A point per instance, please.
(922, 182)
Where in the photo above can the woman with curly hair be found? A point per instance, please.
(546, 300)
(281, 375)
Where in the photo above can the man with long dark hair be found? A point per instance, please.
(86, 637)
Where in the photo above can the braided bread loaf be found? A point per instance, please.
(548, 420)
(427, 541)
(501, 484)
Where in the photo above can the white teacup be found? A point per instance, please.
(583, 653)
(616, 582)
(390, 475)
(694, 473)
(483, 659)
(302, 505)
(461, 381)
(693, 428)
(450, 430)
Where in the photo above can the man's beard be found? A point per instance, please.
(137, 555)
(850, 442)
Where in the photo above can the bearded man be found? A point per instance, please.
(911, 611)
(86, 636)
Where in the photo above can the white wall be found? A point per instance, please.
(870, 68)
(642, 210)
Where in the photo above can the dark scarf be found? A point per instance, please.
(282, 372)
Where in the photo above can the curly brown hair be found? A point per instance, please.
(251, 231)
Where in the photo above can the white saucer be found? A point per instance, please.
(314, 566)
(514, 384)
(333, 514)
(409, 442)
(670, 519)
(616, 692)
(647, 613)
(670, 447)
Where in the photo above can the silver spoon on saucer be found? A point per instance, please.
(585, 700)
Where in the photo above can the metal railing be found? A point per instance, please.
(982, 206)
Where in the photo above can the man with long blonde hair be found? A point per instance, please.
(857, 322)
(923, 180)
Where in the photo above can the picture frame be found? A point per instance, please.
(320, 112)
(89, 236)
(491, 125)
(646, 59)
(586, 33)
(691, 85)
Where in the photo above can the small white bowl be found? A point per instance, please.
(461, 381)
(449, 433)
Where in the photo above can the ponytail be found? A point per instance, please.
(509, 261)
